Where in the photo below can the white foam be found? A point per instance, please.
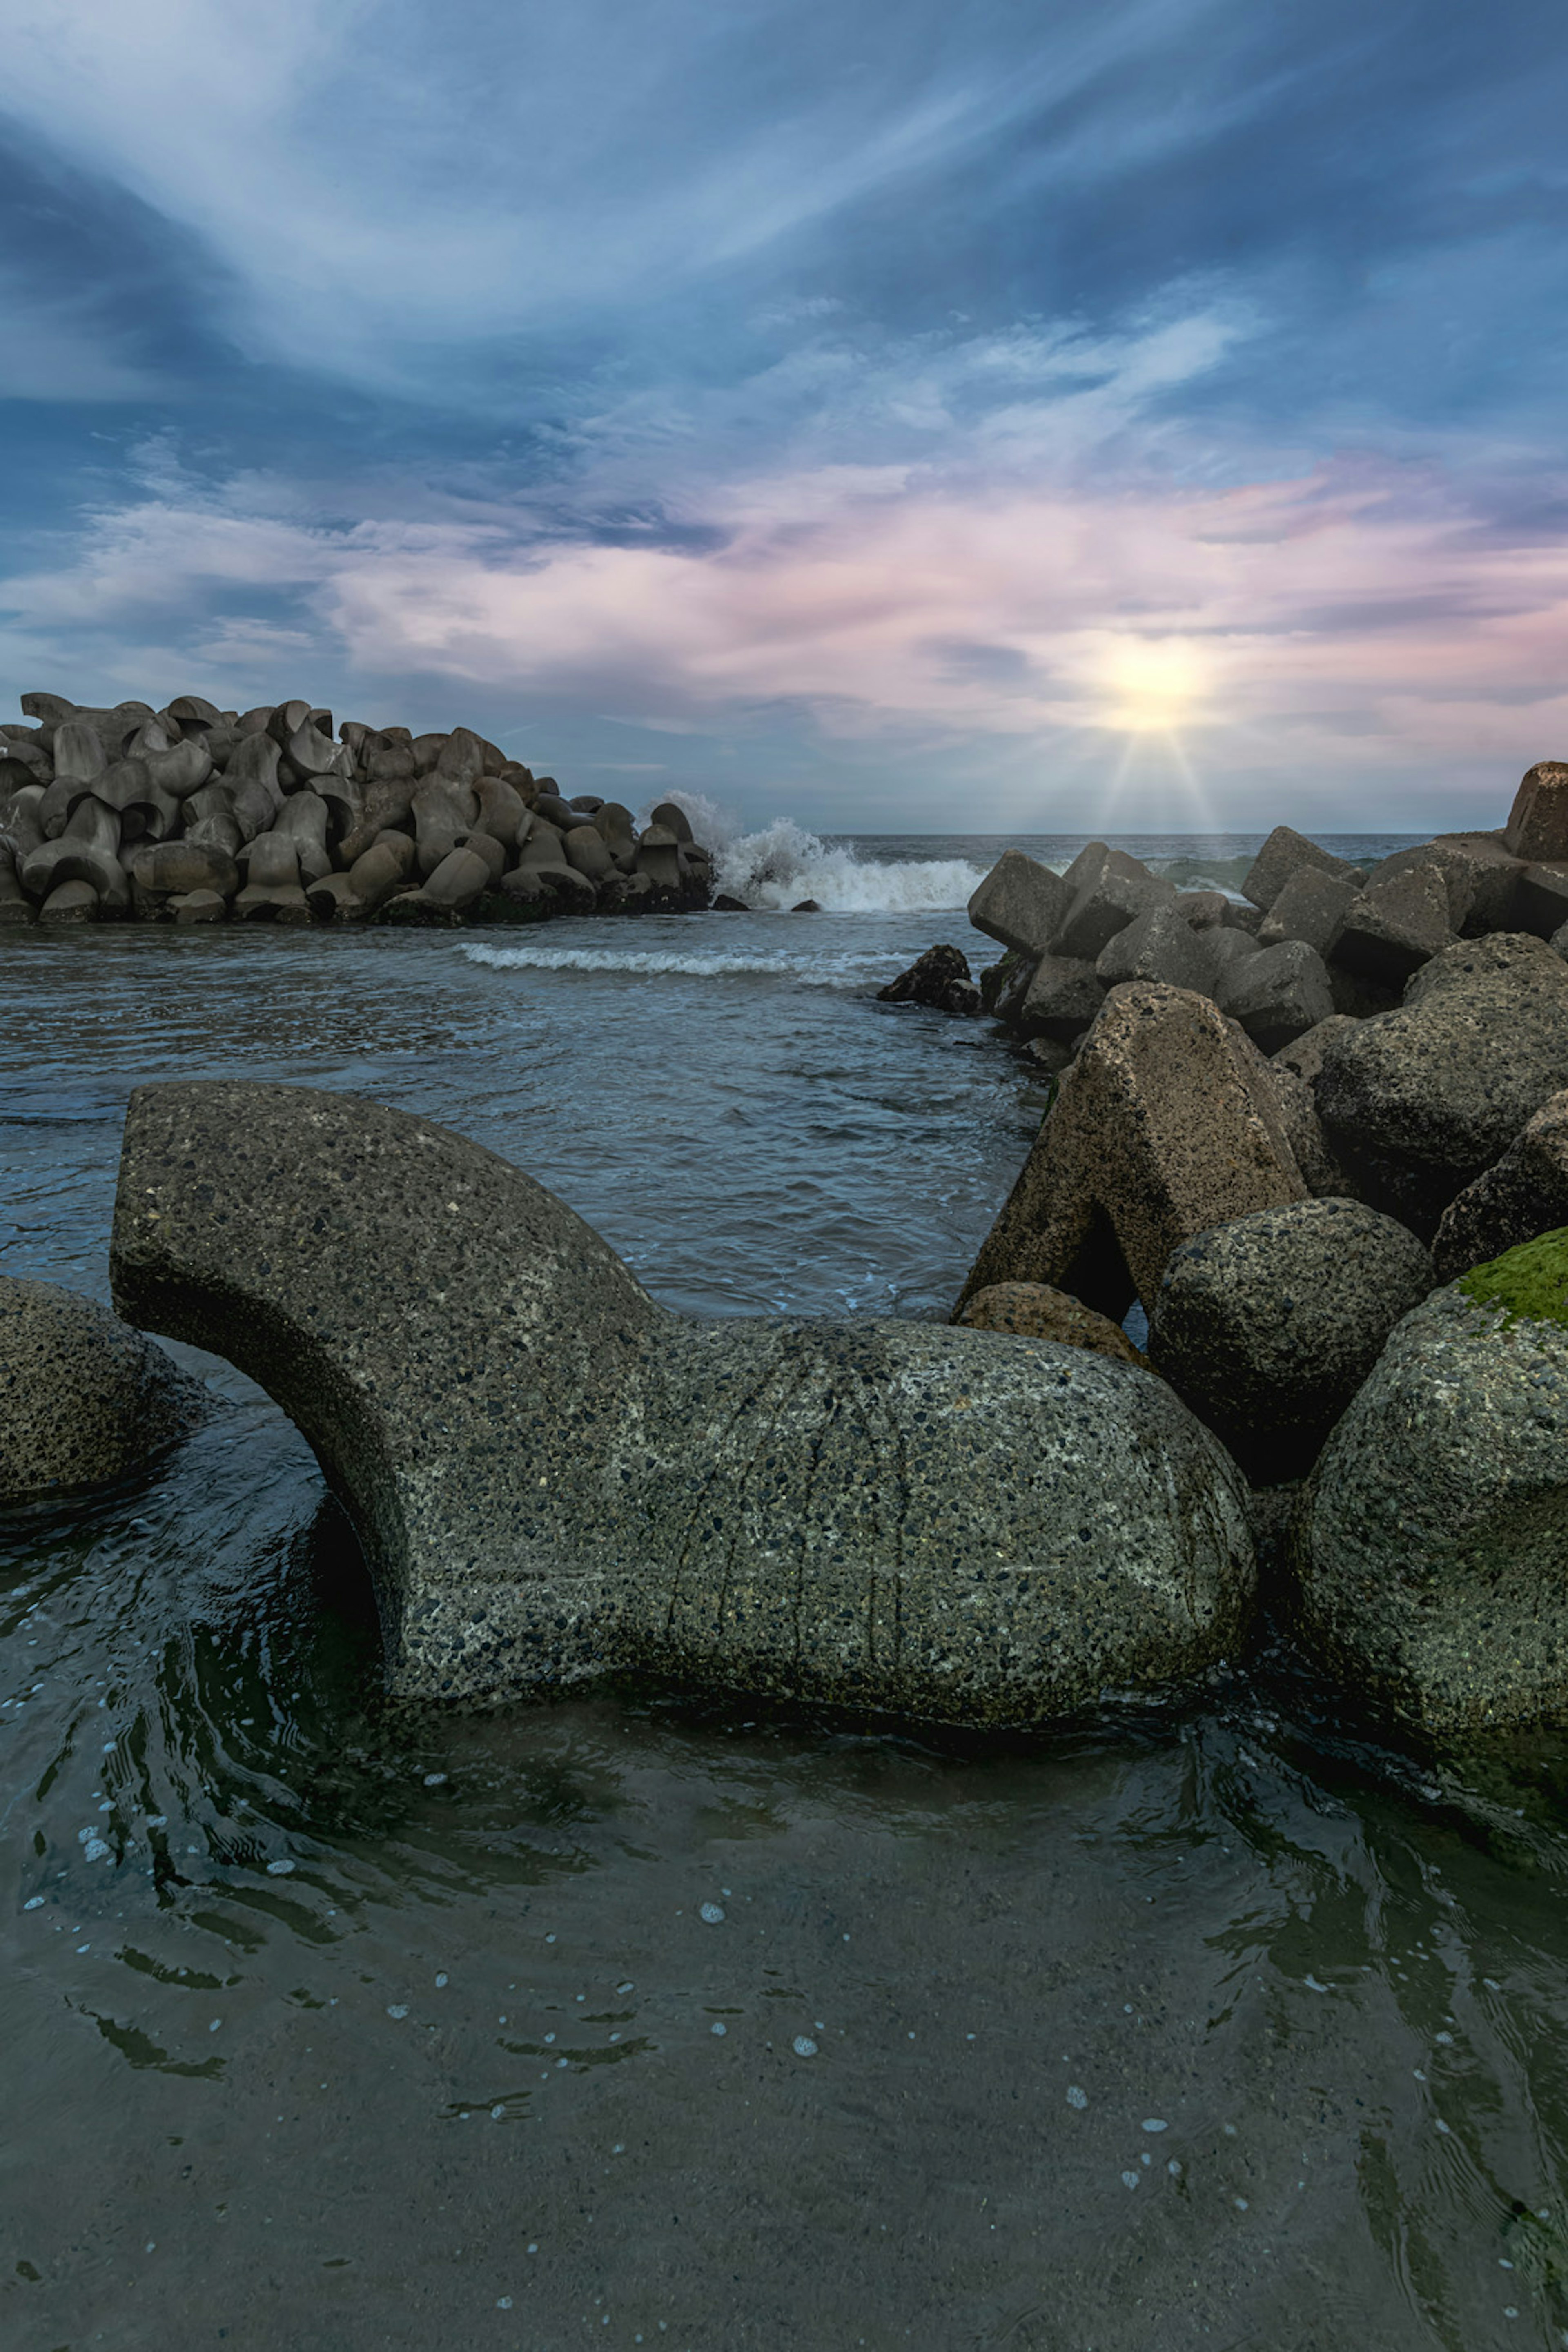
(783, 864)
(845, 971)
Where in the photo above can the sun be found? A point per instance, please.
(1151, 686)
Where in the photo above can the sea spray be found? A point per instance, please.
(824, 970)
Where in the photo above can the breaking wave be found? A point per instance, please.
(783, 864)
(821, 970)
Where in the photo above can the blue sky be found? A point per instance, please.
(904, 418)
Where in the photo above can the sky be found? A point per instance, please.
(1078, 415)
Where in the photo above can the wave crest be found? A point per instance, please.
(783, 864)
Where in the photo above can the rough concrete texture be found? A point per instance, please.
(554, 1478)
(939, 979)
(1311, 906)
(1159, 944)
(1268, 1326)
(1021, 903)
(83, 1400)
(1276, 994)
(1429, 1563)
(1524, 1194)
(1165, 1124)
(1108, 889)
(1417, 1102)
(1538, 822)
(1541, 899)
(1060, 999)
(1491, 874)
(1033, 1310)
(1284, 854)
(1397, 924)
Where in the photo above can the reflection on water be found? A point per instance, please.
(340, 2025)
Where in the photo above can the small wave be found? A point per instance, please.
(783, 864)
(816, 971)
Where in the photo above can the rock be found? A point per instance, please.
(461, 877)
(555, 1479)
(585, 849)
(73, 901)
(314, 754)
(21, 820)
(939, 979)
(303, 820)
(89, 851)
(1159, 944)
(387, 806)
(614, 823)
(16, 907)
(1033, 1310)
(1395, 925)
(1278, 994)
(503, 812)
(485, 845)
(1428, 1565)
(198, 907)
(461, 760)
(1541, 899)
(1523, 1195)
(1538, 822)
(659, 857)
(572, 891)
(1227, 949)
(723, 904)
(805, 907)
(674, 819)
(553, 810)
(195, 710)
(1164, 1124)
(285, 720)
(1021, 904)
(1417, 1102)
(211, 822)
(1061, 997)
(1488, 878)
(542, 843)
(1203, 910)
(442, 812)
(78, 752)
(589, 803)
(83, 1400)
(1268, 1326)
(1108, 889)
(167, 870)
(1284, 854)
(1311, 906)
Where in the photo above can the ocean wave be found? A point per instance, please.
(829, 971)
(781, 865)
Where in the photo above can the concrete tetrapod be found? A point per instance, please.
(555, 1477)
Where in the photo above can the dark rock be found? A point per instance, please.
(553, 810)
(83, 1400)
(1525, 1194)
(1203, 910)
(1541, 899)
(723, 904)
(442, 812)
(1417, 1103)
(1021, 903)
(72, 901)
(1311, 906)
(1538, 822)
(1284, 854)
(554, 1479)
(1276, 994)
(1165, 1124)
(1268, 1326)
(461, 758)
(586, 848)
(484, 844)
(939, 979)
(1062, 996)
(1157, 944)
(805, 907)
(1395, 925)
(1429, 1567)
(674, 819)
(1488, 875)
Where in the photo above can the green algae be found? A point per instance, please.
(1530, 1283)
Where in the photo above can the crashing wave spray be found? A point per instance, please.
(779, 866)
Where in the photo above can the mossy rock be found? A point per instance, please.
(1530, 1283)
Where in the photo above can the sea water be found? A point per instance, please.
(647, 2018)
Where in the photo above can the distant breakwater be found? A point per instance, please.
(190, 815)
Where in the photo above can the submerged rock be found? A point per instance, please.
(1429, 1564)
(83, 1399)
(555, 1478)
(940, 979)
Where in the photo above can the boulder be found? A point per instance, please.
(1523, 1195)
(1021, 904)
(553, 810)
(556, 1479)
(88, 851)
(542, 843)
(211, 821)
(1482, 873)
(484, 844)
(659, 857)
(674, 819)
(1108, 889)
(461, 758)
(1033, 1310)
(1417, 1102)
(1059, 998)
(1538, 822)
(502, 810)
(74, 901)
(573, 892)
(614, 823)
(1164, 1124)
(584, 848)
(940, 979)
(1428, 1560)
(1541, 899)
(16, 907)
(442, 812)
(303, 820)
(1284, 854)
(84, 1400)
(1276, 993)
(198, 907)
(168, 869)
(1205, 910)
(1395, 925)
(1267, 1327)
(1159, 944)
(1311, 906)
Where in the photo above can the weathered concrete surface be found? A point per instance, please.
(554, 1477)
(83, 1400)
(1033, 1310)
(1166, 1123)
(1269, 1325)
(1526, 1193)
(1431, 1561)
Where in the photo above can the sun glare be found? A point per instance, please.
(1149, 688)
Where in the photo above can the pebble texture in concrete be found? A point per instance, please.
(83, 1400)
(554, 1477)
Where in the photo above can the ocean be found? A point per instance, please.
(652, 2018)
